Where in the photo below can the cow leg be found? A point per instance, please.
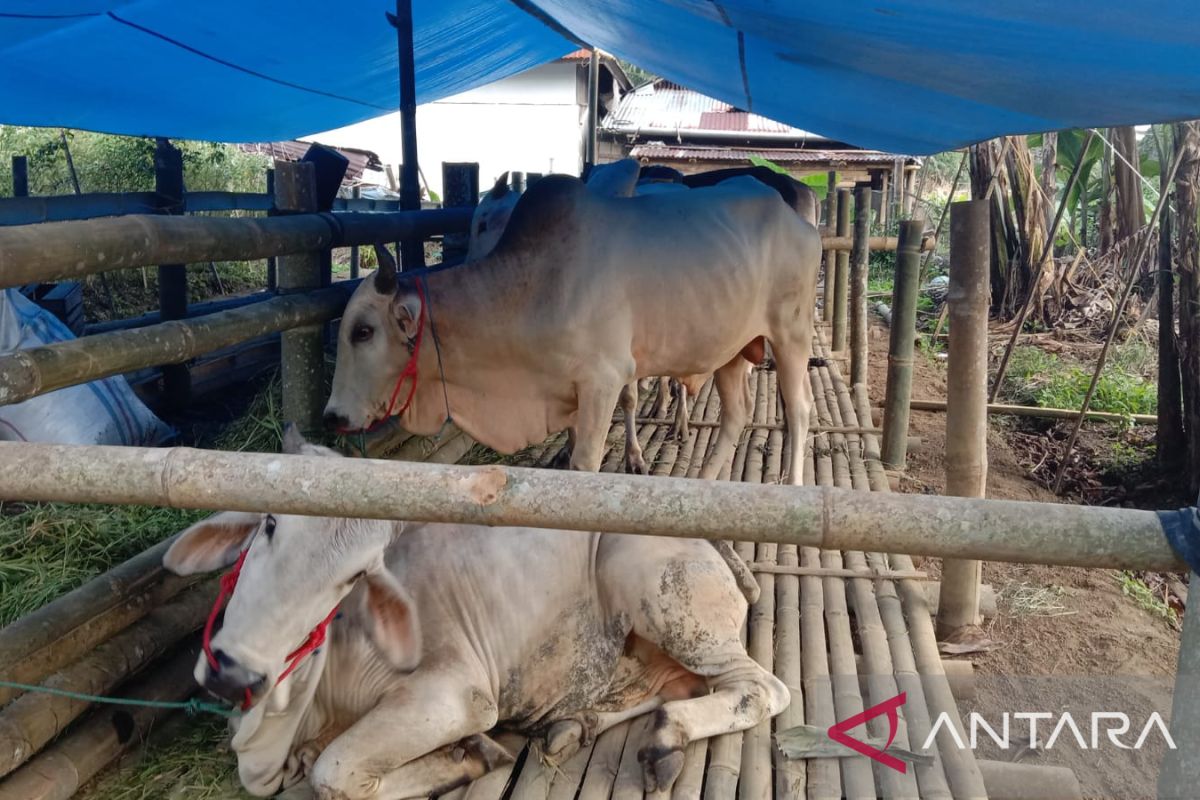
(419, 719)
(635, 464)
(592, 421)
(730, 381)
(681, 410)
(663, 400)
(703, 637)
(563, 459)
(796, 390)
(566, 736)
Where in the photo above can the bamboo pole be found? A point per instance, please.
(822, 572)
(33, 719)
(829, 256)
(845, 242)
(1000, 530)
(966, 390)
(859, 266)
(69, 250)
(66, 629)
(1133, 273)
(1044, 413)
(64, 768)
(38, 370)
(900, 348)
(841, 299)
(1180, 769)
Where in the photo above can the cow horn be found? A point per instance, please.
(501, 187)
(385, 276)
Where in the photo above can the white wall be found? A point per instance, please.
(530, 122)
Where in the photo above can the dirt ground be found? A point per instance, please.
(1075, 625)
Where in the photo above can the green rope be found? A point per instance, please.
(192, 707)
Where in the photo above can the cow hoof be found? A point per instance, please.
(486, 750)
(660, 767)
(636, 466)
(564, 739)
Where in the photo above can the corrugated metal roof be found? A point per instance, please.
(657, 151)
(663, 105)
(360, 160)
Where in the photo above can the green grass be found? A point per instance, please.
(1133, 588)
(1043, 379)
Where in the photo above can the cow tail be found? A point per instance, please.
(741, 571)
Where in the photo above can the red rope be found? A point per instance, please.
(410, 369)
(229, 580)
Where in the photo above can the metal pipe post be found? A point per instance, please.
(301, 352)
(966, 397)
(172, 278)
(860, 257)
(900, 347)
(593, 109)
(412, 251)
(841, 278)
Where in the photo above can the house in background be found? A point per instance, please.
(664, 123)
(535, 121)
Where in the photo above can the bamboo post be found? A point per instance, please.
(355, 260)
(172, 278)
(460, 189)
(900, 346)
(966, 392)
(830, 199)
(955, 527)
(830, 257)
(33, 719)
(272, 280)
(65, 767)
(412, 250)
(841, 300)
(302, 352)
(859, 266)
(1043, 413)
(20, 176)
(875, 243)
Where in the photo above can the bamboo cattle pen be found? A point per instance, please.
(966, 390)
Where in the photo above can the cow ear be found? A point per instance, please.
(212, 543)
(294, 444)
(407, 308)
(390, 618)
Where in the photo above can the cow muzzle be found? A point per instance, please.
(230, 680)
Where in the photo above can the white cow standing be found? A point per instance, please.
(446, 631)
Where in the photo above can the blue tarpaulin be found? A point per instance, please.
(907, 76)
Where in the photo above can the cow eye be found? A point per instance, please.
(361, 333)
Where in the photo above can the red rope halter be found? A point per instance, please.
(315, 638)
(410, 369)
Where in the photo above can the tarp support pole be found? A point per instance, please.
(412, 251)
(860, 257)
(172, 278)
(830, 256)
(272, 275)
(966, 397)
(593, 109)
(900, 349)
(460, 189)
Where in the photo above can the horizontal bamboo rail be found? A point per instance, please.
(876, 243)
(63, 250)
(37, 370)
(1043, 413)
(996, 530)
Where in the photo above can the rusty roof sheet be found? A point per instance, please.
(657, 151)
(360, 160)
(663, 105)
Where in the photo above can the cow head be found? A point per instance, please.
(491, 218)
(296, 570)
(375, 341)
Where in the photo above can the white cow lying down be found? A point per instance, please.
(447, 631)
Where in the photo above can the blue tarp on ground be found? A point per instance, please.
(913, 76)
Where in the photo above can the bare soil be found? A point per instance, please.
(1052, 621)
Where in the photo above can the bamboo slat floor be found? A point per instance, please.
(816, 630)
